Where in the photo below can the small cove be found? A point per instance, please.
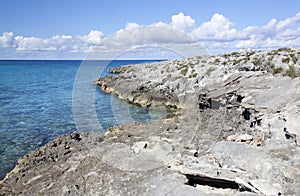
(37, 104)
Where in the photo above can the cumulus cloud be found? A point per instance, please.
(56, 43)
(131, 25)
(152, 36)
(93, 38)
(288, 22)
(182, 22)
(149, 35)
(7, 39)
(181, 33)
(219, 28)
(274, 34)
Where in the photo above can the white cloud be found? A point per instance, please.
(56, 43)
(153, 36)
(93, 38)
(7, 39)
(181, 33)
(150, 35)
(131, 25)
(274, 34)
(29, 43)
(182, 22)
(219, 28)
(282, 25)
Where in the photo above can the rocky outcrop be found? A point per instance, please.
(235, 132)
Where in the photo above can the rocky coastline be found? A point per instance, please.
(232, 130)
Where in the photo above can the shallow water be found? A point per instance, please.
(38, 102)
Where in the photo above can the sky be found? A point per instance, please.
(75, 29)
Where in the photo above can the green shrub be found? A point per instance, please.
(251, 53)
(184, 71)
(285, 60)
(267, 65)
(247, 58)
(294, 58)
(217, 61)
(211, 69)
(257, 61)
(193, 75)
(277, 70)
(177, 78)
(285, 50)
(225, 56)
(236, 54)
(236, 61)
(271, 58)
(292, 72)
(168, 69)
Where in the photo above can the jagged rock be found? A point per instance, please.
(215, 112)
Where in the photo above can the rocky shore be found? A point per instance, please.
(232, 130)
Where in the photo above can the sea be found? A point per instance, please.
(43, 99)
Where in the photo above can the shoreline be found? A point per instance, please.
(236, 132)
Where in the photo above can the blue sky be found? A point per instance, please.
(72, 28)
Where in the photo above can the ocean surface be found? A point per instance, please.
(42, 99)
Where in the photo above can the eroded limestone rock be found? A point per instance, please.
(233, 128)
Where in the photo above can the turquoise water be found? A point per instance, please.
(37, 103)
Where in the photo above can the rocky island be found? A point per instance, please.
(232, 129)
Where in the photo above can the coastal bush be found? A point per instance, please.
(247, 58)
(277, 70)
(285, 60)
(226, 56)
(217, 61)
(268, 66)
(168, 69)
(292, 72)
(208, 71)
(184, 71)
(177, 78)
(294, 58)
(257, 61)
(193, 75)
(236, 61)
(251, 53)
(235, 54)
(271, 58)
(285, 50)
